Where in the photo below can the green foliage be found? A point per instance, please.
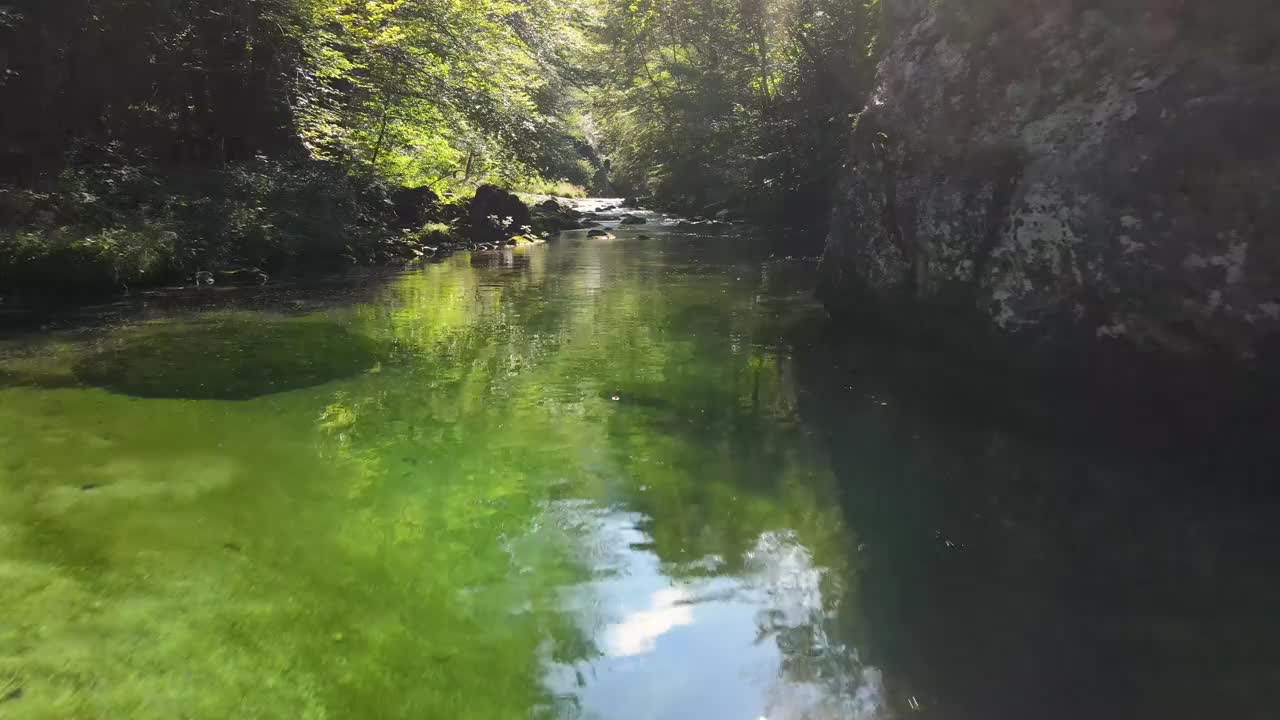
(268, 132)
(560, 188)
(739, 101)
(273, 213)
(103, 227)
(90, 259)
(272, 132)
(422, 92)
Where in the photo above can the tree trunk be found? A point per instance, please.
(387, 96)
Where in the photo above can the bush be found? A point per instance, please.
(103, 228)
(556, 188)
(86, 259)
(275, 214)
(117, 220)
(112, 223)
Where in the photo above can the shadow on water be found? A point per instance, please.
(1077, 567)
(226, 359)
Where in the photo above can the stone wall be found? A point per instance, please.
(1074, 171)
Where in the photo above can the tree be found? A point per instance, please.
(738, 101)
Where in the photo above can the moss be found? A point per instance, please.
(230, 358)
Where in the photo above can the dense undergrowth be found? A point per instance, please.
(146, 142)
(112, 226)
(116, 227)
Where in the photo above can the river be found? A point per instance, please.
(598, 478)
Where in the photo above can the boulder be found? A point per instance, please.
(414, 207)
(555, 223)
(551, 216)
(598, 233)
(633, 220)
(494, 215)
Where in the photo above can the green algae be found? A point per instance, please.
(235, 357)
(419, 528)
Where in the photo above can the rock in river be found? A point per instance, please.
(496, 214)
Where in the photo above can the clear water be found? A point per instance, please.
(572, 480)
(560, 480)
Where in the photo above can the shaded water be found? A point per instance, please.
(598, 479)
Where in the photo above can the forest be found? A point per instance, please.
(639, 359)
(143, 141)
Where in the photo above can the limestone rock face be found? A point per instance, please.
(1076, 171)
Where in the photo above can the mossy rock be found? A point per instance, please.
(227, 359)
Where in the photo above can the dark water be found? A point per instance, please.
(623, 478)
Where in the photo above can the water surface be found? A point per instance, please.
(561, 481)
(591, 479)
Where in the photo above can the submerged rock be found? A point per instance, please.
(524, 240)
(1068, 173)
(226, 359)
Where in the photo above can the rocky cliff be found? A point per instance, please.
(1083, 172)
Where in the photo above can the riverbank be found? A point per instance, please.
(109, 232)
(311, 282)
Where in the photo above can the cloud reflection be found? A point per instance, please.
(638, 632)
